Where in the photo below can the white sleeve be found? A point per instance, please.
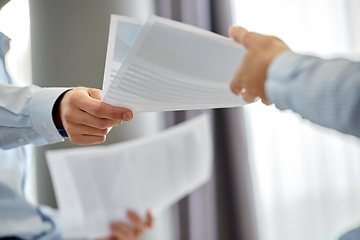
(26, 115)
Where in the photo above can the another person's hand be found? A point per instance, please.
(121, 231)
(85, 118)
(249, 79)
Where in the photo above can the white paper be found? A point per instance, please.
(175, 66)
(95, 186)
(122, 35)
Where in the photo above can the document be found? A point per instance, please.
(95, 186)
(167, 65)
(122, 34)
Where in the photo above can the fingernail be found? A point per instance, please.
(256, 99)
(234, 28)
(128, 116)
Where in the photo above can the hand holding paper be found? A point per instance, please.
(95, 186)
(250, 77)
(85, 118)
(169, 65)
(122, 231)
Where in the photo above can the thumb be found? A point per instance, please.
(238, 33)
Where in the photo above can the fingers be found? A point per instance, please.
(238, 87)
(249, 97)
(246, 38)
(265, 100)
(238, 33)
(119, 113)
(236, 84)
(139, 225)
(83, 100)
(82, 118)
(149, 220)
(87, 139)
(86, 119)
(250, 77)
(120, 236)
(122, 228)
(123, 231)
(78, 129)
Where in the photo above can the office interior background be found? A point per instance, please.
(276, 176)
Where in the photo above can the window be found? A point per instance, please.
(306, 178)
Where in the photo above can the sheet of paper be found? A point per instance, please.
(122, 34)
(175, 66)
(96, 185)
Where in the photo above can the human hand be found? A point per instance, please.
(250, 76)
(122, 231)
(85, 118)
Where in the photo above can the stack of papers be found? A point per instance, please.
(95, 186)
(163, 65)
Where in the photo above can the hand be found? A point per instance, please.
(85, 118)
(121, 231)
(249, 79)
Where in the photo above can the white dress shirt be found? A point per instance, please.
(25, 117)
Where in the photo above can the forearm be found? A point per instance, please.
(26, 115)
(326, 92)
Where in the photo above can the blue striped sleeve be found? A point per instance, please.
(326, 92)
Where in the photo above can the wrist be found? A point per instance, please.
(56, 111)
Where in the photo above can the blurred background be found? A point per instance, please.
(276, 176)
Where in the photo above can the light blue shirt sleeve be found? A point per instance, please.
(26, 115)
(326, 92)
(352, 235)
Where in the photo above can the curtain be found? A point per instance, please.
(306, 178)
(223, 208)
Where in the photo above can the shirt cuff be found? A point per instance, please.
(279, 75)
(41, 106)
